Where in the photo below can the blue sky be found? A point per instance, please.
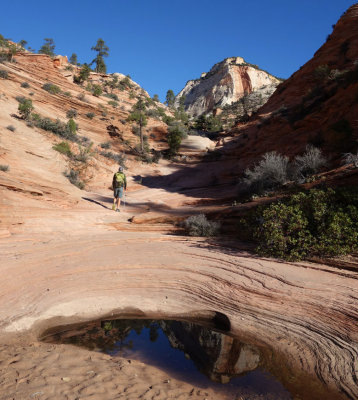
(162, 44)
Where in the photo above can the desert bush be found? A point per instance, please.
(106, 145)
(82, 97)
(314, 223)
(176, 133)
(4, 168)
(119, 158)
(350, 158)
(72, 176)
(113, 103)
(30, 124)
(135, 130)
(11, 128)
(31, 93)
(85, 153)
(25, 85)
(4, 74)
(69, 68)
(90, 115)
(84, 140)
(20, 99)
(112, 96)
(198, 225)
(63, 148)
(57, 127)
(309, 163)
(25, 108)
(72, 113)
(3, 57)
(72, 126)
(68, 94)
(271, 172)
(97, 90)
(51, 88)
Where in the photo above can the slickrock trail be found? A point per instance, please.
(86, 269)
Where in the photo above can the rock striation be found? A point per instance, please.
(317, 105)
(226, 82)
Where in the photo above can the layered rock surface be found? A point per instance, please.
(316, 105)
(226, 82)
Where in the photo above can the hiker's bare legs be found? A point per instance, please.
(116, 203)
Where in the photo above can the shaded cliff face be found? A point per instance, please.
(226, 83)
(318, 104)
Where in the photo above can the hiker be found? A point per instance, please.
(119, 184)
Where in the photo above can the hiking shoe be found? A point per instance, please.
(118, 210)
(113, 207)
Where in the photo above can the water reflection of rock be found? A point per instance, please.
(218, 356)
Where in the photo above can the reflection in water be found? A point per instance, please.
(194, 353)
(185, 351)
(218, 356)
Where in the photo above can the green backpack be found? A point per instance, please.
(119, 179)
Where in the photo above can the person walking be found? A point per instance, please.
(119, 184)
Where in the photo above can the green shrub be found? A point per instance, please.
(112, 96)
(68, 94)
(72, 113)
(72, 126)
(4, 74)
(4, 168)
(20, 99)
(72, 176)
(198, 225)
(119, 158)
(51, 88)
(176, 133)
(97, 90)
(63, 148)
(314, 223)
(25, 108)
(90, 115)
(25, 85)
(106, 145)
(57, 127)
(113, 103)
(11, 128)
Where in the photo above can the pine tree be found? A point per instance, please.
(23, 43)
(139, 115)
(73, 59)
(102, 51)
(48, 47)
(170, 98)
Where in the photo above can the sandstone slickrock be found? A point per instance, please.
(65, 257)
(317, 105)
(226, 82)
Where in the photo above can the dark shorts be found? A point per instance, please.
(118, 192)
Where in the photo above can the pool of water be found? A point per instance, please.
(205, 358)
